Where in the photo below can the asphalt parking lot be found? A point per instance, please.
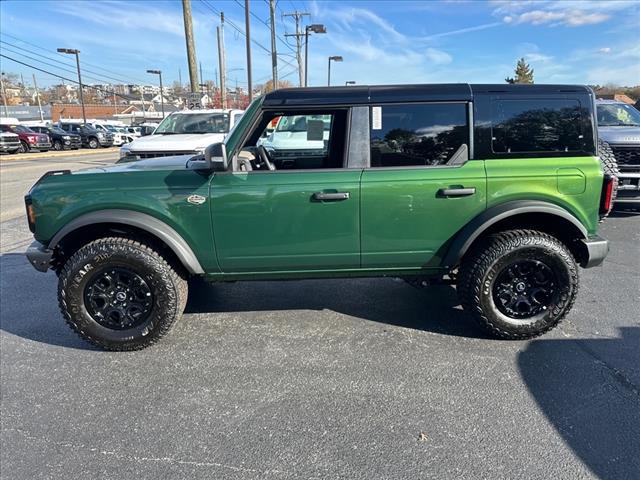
(357, 379)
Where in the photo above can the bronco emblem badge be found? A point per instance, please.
(196, 199)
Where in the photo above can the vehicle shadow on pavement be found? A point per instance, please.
(29, 304)
(384, 300)
(589, 389)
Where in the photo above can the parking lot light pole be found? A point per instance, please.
(335, 58)
(315, 28)
(73, 51)
(159, 73)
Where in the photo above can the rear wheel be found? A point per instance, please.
(120, 294)
(518, 284)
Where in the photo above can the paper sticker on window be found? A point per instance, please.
(376, 118)
(315, 130)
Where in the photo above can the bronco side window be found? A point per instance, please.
(418, 134)
(296, 141)
(538, 125)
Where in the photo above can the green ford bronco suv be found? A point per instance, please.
(496, 188)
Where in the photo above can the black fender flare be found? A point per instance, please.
(472, 230)
(146, 222)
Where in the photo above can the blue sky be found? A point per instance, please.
(382, 42)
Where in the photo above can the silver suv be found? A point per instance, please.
(619, 126)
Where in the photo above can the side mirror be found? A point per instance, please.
(216, 157)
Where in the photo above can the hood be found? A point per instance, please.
(620, 135)
(176, 162)
(179, 142)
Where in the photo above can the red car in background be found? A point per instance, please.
(28, 138)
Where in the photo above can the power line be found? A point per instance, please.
(84, 69)
(100, 89)
(65, 57)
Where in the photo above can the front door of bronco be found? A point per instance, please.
(289, 204)
(420, 188)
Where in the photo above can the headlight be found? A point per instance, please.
(100, 135)
(66, 137)
(124, 150)
(200, 149)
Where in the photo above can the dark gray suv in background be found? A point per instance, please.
(619, 126)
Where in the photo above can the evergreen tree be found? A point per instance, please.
(524, 73)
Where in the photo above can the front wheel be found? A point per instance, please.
(57, 145)
(24, 147)
(93, 143)
(120, 294)
(518, 284)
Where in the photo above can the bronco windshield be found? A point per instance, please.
(618, 115)
(194, 123)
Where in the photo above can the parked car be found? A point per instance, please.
(59, 139)
(9, 142)
(28, 138)
(182, 133)
(91, 137)
(495, 188)
(118, 137)
(619, 127)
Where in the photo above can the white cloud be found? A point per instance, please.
(571, 18)
(571, 13)
(438, 56)
(604, 50)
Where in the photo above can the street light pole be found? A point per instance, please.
(335, 58)
(315, 28)
(75, 52)
(159, 73)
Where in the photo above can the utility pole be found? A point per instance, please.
(73, 51)
(297, 16)
(222, 62)
(4, 95)
(247, 24)
(35, 85)
(274, 54)
(191, 46)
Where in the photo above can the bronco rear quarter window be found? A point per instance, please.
(422, 134)
(531, 126)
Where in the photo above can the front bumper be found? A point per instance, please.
(39, 256)
(41, 145)
(9, 147)
(597, 249)
(628, 188)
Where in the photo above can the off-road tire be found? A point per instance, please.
(609, 167)
(481, 267)
(168, 287)
(93, 143)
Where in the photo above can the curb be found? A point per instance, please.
(51, 153)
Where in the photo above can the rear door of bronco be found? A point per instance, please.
(420, 187)
(301, 215)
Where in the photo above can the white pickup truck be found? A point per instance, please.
(185, 132)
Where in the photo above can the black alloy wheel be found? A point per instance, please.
(118, 298)
(525, 289)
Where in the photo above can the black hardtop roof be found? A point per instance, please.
(364, 94)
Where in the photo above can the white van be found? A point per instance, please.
(186, 132)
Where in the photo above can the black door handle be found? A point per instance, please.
(456, 192)
(330, 196)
